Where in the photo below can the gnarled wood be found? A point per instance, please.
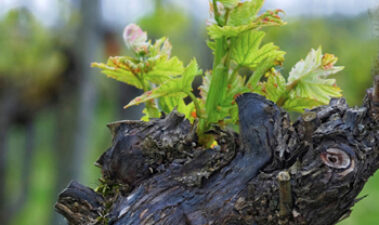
(273, 172)
(80, 205)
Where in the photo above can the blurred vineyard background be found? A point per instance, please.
(54, 107)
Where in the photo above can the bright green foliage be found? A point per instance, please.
(307, 85)
(151, 66)
(163, 69)
(244, 13)
(298, 104)
(227, 109)
(274, 87)
(310, 77)
(178, 87)
(238, 23)
(246, 51)
(121, 69)
(236, 39)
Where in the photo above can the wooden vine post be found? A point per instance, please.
(272, 172)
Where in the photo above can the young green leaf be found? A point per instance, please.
(168, 103)
(235, 87)
(299, 104)
(245, 12)
(246, 50)
(269, 18)
(211, 45)
(171, 102)
(215, 31)
(245, 46)
(274, 87)
(260, 70)
(118, 70)
(164, 69)
(174, 86)
(188, 110)
(308, 77)
(150, 111)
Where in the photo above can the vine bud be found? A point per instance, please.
(328, 60)
(135, 39)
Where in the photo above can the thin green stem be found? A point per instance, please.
(196, 103)
(216, 13)
(284, 97)
(144, 88)
(234, 74)
(226, 17)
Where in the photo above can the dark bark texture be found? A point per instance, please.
(272, 172)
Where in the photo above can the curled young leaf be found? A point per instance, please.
(135, 39)
(270, 18)
(308, 78)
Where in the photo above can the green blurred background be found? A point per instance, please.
(54, 107)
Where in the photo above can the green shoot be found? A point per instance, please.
(236, 38)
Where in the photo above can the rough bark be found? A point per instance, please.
(272, 172)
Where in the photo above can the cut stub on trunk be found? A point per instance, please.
(272, 172)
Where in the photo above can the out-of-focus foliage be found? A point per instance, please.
(171, 21)
(167, 19)
(29, 61)
(152, 66)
